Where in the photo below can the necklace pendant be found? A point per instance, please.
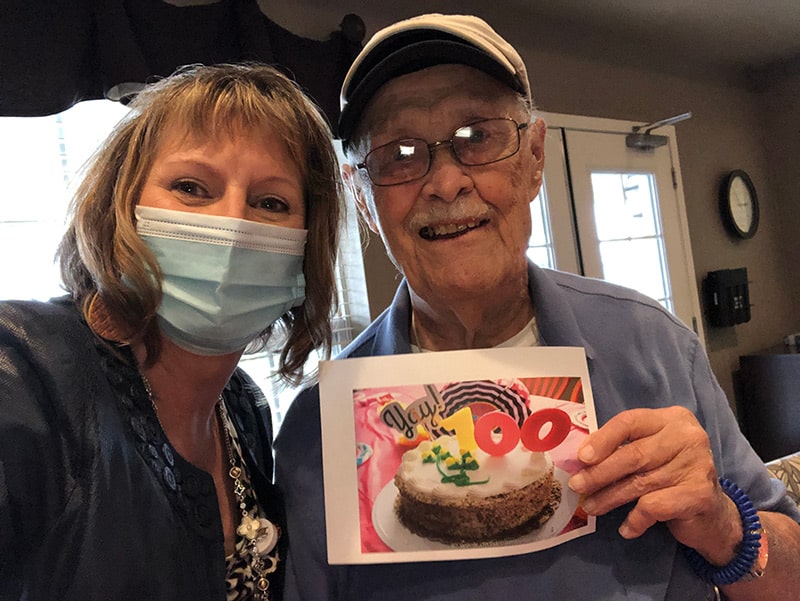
(249, 528)
(263, 584)
(235, 472)
(266, 538)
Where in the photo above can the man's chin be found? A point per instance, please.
(452, 284)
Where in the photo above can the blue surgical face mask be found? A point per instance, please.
(225, 279)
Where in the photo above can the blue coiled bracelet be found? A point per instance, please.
(747, 553)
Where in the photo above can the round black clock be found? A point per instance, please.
(738, 204)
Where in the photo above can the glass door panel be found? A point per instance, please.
(629, 233)
(630, 226)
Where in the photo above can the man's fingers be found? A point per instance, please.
(631, 488)
(620, 429)
(637, 458)
(656, 507)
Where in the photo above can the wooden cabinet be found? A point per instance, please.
(769, 403)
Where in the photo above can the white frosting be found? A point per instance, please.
(510, 472)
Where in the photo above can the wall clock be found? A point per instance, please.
(738, 204)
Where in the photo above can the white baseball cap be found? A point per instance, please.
(421, 42)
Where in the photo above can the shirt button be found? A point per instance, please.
(169, 478)
(168, 454)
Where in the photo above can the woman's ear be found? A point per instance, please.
(350, 177)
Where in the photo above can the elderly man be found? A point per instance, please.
(445, 156)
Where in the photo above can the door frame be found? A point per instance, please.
(560, 121)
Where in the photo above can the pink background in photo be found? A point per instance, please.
(379, 469)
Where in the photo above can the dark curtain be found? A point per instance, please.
(54, 53)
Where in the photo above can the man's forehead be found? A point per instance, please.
(432, 92)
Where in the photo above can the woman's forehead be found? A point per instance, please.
(179, 133)
(204, 126)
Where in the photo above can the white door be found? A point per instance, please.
(620, 216)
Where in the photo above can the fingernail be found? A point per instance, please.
(577, 483)
(589, 505)
(586, 454)
(625, 530)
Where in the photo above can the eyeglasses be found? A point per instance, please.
(480, 143)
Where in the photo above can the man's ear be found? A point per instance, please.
(538, 132)
(350, 176)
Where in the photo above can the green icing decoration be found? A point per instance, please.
(467, 462)
(460, 479)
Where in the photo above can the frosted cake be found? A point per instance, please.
(456, 497)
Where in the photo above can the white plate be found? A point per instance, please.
(399, 538)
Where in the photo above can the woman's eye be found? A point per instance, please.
(189, 187)
(271, 204)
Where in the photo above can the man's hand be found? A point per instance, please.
(661, 459)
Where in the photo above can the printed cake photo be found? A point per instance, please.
(454, 497)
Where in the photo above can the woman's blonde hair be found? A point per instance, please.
(102, 257)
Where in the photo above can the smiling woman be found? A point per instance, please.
(206, 225)
(42, 157)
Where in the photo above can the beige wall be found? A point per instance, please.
(582, 73)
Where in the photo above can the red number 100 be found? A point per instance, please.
(481, 432)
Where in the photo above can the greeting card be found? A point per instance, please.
(453, 455)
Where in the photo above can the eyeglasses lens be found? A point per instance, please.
(479, 143)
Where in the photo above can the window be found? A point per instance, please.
(629, 235)
(41, 158)
(540, 245)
